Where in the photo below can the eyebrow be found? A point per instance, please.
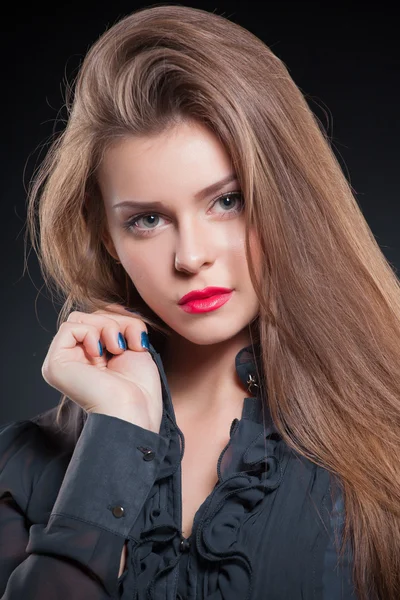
(207, 191)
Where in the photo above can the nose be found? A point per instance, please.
(194, 248)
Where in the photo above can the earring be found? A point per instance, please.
(252, 382)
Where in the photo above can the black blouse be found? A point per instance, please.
(71, 497)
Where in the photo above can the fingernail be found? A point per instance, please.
(121, 341)
(100, 348)
(144, 338)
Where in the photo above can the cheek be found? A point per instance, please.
(146, 274)
(237, 251)
(234, 242)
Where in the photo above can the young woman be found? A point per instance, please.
(228, 349)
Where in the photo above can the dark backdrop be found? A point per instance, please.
(344, 57)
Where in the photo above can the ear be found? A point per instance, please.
(108, 243)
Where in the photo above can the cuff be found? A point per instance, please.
(111, 473)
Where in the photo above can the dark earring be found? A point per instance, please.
(252, 382)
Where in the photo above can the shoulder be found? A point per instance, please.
(34, 455)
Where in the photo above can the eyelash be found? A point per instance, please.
(130, 225)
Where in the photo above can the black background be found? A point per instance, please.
(344, 57)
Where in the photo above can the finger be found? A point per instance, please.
(108, 334)
(70, 334)
(133, 335)
(110, 326)
(109, 330)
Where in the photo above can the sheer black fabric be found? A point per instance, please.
(71, 497)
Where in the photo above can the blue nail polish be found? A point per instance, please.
(144, 338)
(121, 341)
(100, 348)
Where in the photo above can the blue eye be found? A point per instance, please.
(149, 217)
(238, 204)
(229, 196)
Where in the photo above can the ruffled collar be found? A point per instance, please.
(250, 468)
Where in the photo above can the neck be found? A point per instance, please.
(202, 378)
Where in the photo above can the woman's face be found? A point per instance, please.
(183, 238)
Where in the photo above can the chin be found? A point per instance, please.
(203, 333)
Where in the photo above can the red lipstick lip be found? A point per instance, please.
(205, 293)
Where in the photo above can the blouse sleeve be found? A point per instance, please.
(76, 552)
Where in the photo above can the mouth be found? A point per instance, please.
(203, 294)
(196, 304)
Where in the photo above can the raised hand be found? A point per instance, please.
(126, 386)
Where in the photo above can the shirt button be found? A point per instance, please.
(118, 511)
(148, 455)
(184, 545)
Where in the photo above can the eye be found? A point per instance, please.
(233, 204)
(235, 198)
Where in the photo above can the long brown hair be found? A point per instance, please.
(329, 321)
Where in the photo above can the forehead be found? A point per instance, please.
(186, 157)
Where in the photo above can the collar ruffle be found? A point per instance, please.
(250, 467)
